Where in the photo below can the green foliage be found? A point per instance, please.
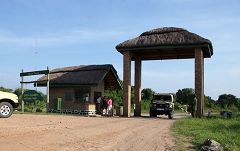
(179, 107)
(5, 89)
(224, 102)
(145, 106)
(185, 96)
(32, 107)
(225, 131)
(238, 103)
(132, 95)
(116, 95)
(227, 100)
(147, 94)
(209, 102)
(38, 106)
(18, 92)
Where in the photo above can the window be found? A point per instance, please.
(82, 96)
(68, 96)
(162, 97)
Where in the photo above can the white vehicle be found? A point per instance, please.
(8, 101)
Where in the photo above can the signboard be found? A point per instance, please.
(34, 73)
(32, 96)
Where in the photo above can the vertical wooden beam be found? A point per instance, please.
(47, 104)
(199, 81)
(138, 70)
(126, 84)
(22, 91)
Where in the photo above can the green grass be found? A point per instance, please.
(225, 131)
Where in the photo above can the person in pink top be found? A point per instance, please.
(109, 103)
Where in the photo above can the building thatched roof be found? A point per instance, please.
(80, 75)
(167, 43)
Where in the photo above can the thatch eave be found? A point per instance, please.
(83, 75)
(159, 41)
(207, 49)
(166, 46)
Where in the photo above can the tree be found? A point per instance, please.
(227, 100)
(18, 92)
(209, 102)
(238, 103)
(116, 95)
(32, 106)
(185, 96)
(147, 94)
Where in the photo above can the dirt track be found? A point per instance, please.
(23, 132)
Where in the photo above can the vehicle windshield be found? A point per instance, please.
(162, 97)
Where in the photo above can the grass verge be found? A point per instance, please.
(225, 131)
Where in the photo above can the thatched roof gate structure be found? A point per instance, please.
(161, 44)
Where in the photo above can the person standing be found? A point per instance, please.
(109, 103)
(104, 105)
(99, 111)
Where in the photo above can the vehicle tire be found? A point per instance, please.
(6, 110)
(152, 114)
(170, 115)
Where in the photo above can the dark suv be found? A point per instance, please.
(162, 103)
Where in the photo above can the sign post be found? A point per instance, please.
(22, 74)
(34, 73)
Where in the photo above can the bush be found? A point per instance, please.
(178, 107)
(38, 106)
(145, 105)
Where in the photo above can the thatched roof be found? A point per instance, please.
(166, 40)
(79, 75)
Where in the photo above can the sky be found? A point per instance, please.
(58, 33)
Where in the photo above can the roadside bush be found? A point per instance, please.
(145, 105)
(38, 106)
(179, 107)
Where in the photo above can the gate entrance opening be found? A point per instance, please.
(162, 44)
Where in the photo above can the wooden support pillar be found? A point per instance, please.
(126, 84)
(199, 81)
(47, 91)
(138, 68)
(22, 91)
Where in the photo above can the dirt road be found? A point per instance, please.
(23, 132)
